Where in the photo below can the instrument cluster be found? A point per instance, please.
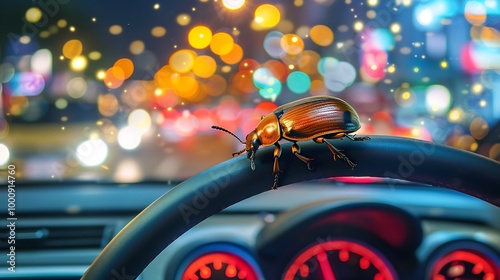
(342, 240)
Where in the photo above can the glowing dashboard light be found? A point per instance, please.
(4, 154)
(92, 152)
(233, 4)
(129, 138)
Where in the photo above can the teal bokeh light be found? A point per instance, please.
(298, 82)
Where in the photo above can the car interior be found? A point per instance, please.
(250, 139)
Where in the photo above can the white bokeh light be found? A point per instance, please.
(233, 4)
(129, 137)
(4, 154)
(92, 152)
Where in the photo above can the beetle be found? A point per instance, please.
(312, 118)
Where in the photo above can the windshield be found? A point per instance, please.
(128, 90)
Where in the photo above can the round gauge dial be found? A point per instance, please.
(219, 266)
(340, 259)
(462, 264)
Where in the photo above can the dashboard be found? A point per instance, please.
(313, 230)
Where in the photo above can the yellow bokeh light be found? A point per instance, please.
(126, 65)
(372, 3)
(322, 35)
(298, 3)
(186, 86)
(95, 55)
(479, 128)
(33, 14)
(391, 69)
(156, 6)
(61, 103)
(113, 78)
(158, 31)
(204, 66)
(115, 29)
(44, 34)
(72, 29)
(199, 37)
(136, 47)
(406, 95)
(292, 44)
(62, 23)
(234, 56)
(444, 64)
(267, 16)
(477, 88)
(100, 75)
(222, 43)
(395, 28)
(455, 115)
(182, 61)
(183, 19)
(25, 39)
(72, 49)
(358, 26)
(78, 63)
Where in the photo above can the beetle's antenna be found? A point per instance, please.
(238, 153)
(225, 130)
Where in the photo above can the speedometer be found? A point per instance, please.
(340, 259)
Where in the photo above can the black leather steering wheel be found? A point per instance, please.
(207, 193)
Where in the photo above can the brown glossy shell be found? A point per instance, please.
(317, 116)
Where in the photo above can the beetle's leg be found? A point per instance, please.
(336, 152)
(296, 152)
(276, 165)
(355, 138)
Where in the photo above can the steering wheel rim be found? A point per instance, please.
(207, 193)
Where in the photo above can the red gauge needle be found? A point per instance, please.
(326, 269)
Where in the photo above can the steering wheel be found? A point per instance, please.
(207, 193)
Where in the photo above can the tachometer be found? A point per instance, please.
(340, 259)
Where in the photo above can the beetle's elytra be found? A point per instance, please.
(313, 118)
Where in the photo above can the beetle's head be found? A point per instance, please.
(252, 144)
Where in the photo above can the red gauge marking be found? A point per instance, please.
(231, 271)
(326, 268)
(464, 264)
(344, 255)
(205, 272)
(304, 270)
(220, 265)
(364, 263)
(325, 253)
